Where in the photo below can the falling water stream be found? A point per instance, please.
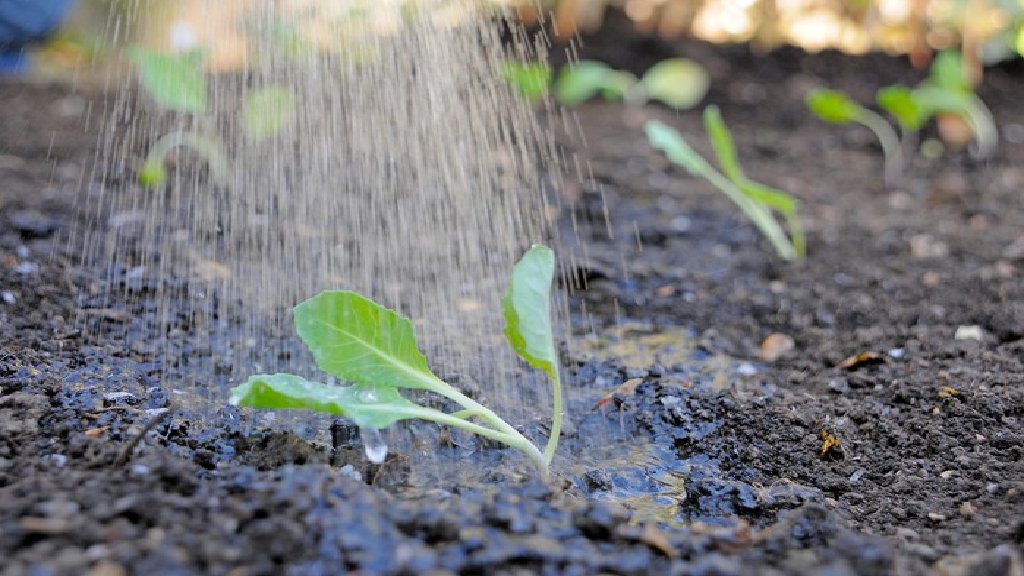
(409, 171)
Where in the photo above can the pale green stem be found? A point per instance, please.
(511, 438)
(204, 146)
(888, 139)
(501, 428)
(556, 415)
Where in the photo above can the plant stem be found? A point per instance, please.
(203, 145)
(556, 415)
(510, 437)
(890, 144)
(502, 431)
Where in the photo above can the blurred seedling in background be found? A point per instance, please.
(678, 83)
(375, 349)
(177, 83)
(757, 201)
(946, 94)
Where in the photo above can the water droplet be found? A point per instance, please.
(368, 396)
(373, 444)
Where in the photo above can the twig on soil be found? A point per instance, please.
(126, 452)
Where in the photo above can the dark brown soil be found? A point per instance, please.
(928, 478)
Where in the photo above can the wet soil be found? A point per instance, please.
(906, 460)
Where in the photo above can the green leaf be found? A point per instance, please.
(532, 80)
(153, 173)
(267, 111)
(677, 82)
(580, 82)
(358, 340)
(947, 72)
(721, 140)
(901, 103)
(834, 106)
(668, 140)
(527, 310)
(175, 81)
(376, 406)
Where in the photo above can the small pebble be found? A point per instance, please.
(896, 353)
(936, 516)
(8, 297)
(55, 459)
(671, 400)
(969, 333)
(967, 510)
(26, 268)
(746, 369)
(117, 396)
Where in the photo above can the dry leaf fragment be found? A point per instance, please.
(657, 540)
(627, 388)
(831, 448)
(861, 360)
(948, 393)
(96, 432)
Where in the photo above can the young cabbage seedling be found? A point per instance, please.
(756, 200)
(677, 82)
(374, 348)
(946, 92)
(176, 82)
(835, 107)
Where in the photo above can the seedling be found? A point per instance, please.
(946, 91)
(177, 83)
(836, 107)
(756, 200)
(678, 83)
(359, 341)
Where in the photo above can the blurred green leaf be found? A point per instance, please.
(581, 81)
(677, 82)
(532, 80)
(153, 173)
(901, 103)
(948, 73)
(267, 111)
(833, 106)
(174, 81)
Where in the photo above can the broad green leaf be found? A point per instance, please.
(267, 111)
(527, 310)
(376, 406)
(581, 81)
(947, 72)
(360, 341)
(833, 106)
(668, 140)
(531, 80)
(678, 82)
(722, 142)
(900, 102)
(175, 81)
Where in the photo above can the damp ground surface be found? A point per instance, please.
(887, 439)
